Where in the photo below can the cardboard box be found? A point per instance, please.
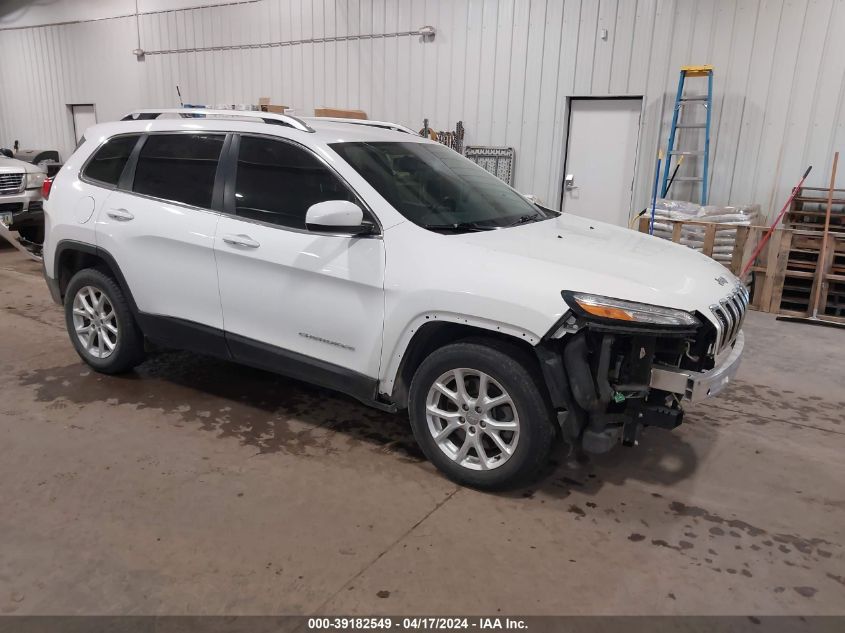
(265, 106)
(340, 113)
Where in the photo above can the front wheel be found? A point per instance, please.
(100, 323)
(478, 415)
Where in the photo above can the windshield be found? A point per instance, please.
(437, 188)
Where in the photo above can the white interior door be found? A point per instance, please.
(84, 116)
(600, 158)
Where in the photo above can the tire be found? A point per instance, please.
(122, 349)
(509, 373)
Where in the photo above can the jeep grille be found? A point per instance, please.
(729, 313)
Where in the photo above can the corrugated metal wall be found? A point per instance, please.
(504, 67)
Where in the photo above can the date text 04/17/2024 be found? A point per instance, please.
(416, 623)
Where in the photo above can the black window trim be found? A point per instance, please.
(228, 206)
(124, 183)
(223, 193)
(100, 183)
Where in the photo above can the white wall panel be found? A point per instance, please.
(519, 63)
(774, 109)
(506, 68)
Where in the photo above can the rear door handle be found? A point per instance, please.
(241, 240)
(121, 215)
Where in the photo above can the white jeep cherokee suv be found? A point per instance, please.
(363, 258)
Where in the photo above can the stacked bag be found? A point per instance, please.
(693, 236)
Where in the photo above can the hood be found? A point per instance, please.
(13, 165)
(573, 253)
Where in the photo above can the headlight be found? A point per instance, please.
(619, 310)
(34, 180)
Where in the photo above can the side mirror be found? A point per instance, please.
(337, 216)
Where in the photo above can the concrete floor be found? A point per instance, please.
(195, 486)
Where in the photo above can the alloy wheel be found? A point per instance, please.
(95, 322)
(472, 419)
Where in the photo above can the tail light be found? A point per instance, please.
(45, 188)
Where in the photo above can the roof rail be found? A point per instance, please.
(386, 125)
(202, 113)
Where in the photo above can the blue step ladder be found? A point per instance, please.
(682, 102)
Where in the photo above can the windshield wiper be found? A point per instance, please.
(458, 226)
(524, 219)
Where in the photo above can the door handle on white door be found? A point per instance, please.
(241, 240)
(569, 182)
(121, 215)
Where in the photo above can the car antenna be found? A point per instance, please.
(179, 92)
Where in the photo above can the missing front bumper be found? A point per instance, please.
(696, 386)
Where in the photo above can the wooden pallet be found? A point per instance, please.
(808, 210)
(816, 264)
(803, 273)
(713, 233)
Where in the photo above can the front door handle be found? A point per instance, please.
(241, 240)
(569, 182)
(121, 215)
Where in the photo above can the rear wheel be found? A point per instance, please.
(100, 323)
(478, 415)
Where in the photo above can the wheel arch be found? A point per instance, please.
(434, 330)
(72, 256)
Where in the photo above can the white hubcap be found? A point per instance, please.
(95, 322)
(472, 419)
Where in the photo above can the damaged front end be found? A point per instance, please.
(613, 367)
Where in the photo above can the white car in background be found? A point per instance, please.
(20, 198)
(386, 266)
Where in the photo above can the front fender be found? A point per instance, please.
(392, 358)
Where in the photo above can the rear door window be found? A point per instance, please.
(179, 167)
(108, 162)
